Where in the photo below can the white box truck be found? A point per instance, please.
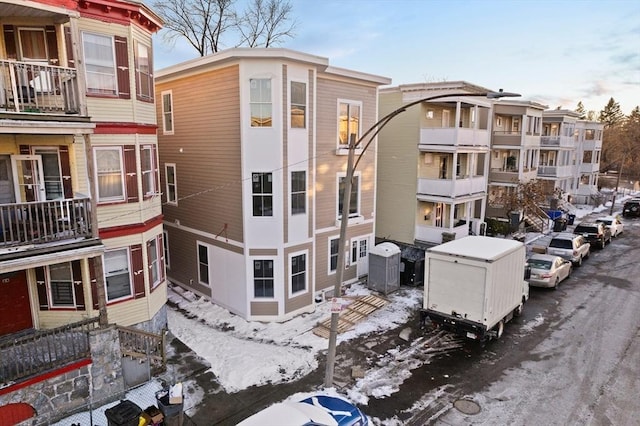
(474, 285)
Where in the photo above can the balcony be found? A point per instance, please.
(452, 188)
(589, 167)
(509, 138)
(38, 89)
(454, 136)
(23, 225)
(555, 171)
(557, 141)
(433, 234)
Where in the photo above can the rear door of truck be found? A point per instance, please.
(456, 288)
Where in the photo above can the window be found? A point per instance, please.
(353, 202)
(260, 102)
(149, 170)
(110, 174)
(167, 113)
(263, 278)
(348, 123)
(298, 273)
(155, 271)
(144, 76)
(33, 46)
(334, 245)
(165, 243)
(117, 277)
(298, 104)
(61, 285)
(262, 188)
(52, 174)
(100, 63)
(298, 192)
(203, 264)
(172, 190)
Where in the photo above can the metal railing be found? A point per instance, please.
(36, 88)
(44, 350)
(141, 344)
(44, 221)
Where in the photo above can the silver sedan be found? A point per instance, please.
(548, 270)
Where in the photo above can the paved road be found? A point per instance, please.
(573, 359)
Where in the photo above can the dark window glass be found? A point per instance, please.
(263, 278)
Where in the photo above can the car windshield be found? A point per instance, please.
(556, 243)
(605, 221)
(540, 264)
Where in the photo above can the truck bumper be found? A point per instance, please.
(460, 326)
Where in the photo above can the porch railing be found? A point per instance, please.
(44, 350)
(35, 88)
(44, 221)
(141, 344)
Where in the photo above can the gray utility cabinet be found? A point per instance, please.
(384, 268)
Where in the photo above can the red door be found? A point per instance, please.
(15, 311)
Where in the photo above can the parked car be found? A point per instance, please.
(614, 224)
(631, 209)
(596, 233)
(548, 270)
(574, 248)
(314, 410)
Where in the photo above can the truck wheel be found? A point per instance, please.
(518, 310)
(499, 329)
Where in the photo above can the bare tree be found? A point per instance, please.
(205, 24)
(265, 23)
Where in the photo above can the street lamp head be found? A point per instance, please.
(502, 94)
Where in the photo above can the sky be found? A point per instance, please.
(289, 350)
(555, 52)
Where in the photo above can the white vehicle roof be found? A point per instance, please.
(479, 247)
(290, 414)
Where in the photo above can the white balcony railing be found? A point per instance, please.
(451, 188)
(454, 136)
(557, 141)
(35, 88)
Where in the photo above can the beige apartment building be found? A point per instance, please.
(433, 163)
(81, 244)
(253, 151)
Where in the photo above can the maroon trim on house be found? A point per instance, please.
(46, 376)
(138, 271)
(124, 230)
(113, 128)
(117, 12)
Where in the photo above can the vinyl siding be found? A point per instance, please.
(206, 111)
(397, 171)
(294, 303)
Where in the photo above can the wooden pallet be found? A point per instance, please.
(352, 314)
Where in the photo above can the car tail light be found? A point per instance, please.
(546, 275)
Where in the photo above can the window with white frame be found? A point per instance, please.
(298, 104)
(348, 122)
(262, 190)
(298, 273)
(260, 102)
(354, 205)
(61, 285)
(165, 242)
(171, 183)
(334, 252)
(298, 192)
(203, 264)
(117, 276)
(149, 169)
(144, 73)
(263, 278)
(110, 174)
(100, 63)
(167, 112)
(153, 254)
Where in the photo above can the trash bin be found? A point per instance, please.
(172, 412)
(570, 219)
(559, 224)
(126, 413)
